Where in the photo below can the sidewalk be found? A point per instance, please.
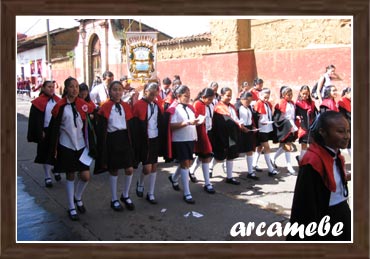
(267, 200)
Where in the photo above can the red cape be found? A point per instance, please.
(305, 105)
(41, 101)
(203, 145)
(322, 162)
(81, 106)
(255, 94)
(283, 104)
(140, 109)
(345, 103)
(259, 107)
(330, 103)
(106, 109)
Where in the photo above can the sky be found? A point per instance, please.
(175, 26)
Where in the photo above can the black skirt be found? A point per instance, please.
(247, 141)
(68, 160)
(120, 153)
(42, 151)
(152, 153)
(265, 137)
(183, 150)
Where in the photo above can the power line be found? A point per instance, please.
(32, 26)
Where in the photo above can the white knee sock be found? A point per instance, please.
(278, 153)
(152, 178)
(113, 186)
(212, 164)
(126, 186)
(81, 185)
(268, 162)
(287, 158)
(249, 163)
(256, 156)
(205, 169)
(47, 170)
(70, 186)
(229, 168)
(142, 179)
(195, 165)
(185, 180)
(176, 175)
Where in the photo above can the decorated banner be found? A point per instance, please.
(141, 49)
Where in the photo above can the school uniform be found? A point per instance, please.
(307, 112)
(68, 134)
(284, 117)
(203, 147)
(38, 124)
(328, 104)
(320, 190)
(166, 96)
(114, 136)
(264, 110)
(99, 94)
(148, 123)
(226, 132)
(182, 140)
(344, 106)
(247, 141)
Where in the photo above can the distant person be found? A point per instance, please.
(328, 103)
(166, 93)
(325, 81)
(99, 94)
(130, 95)
(344, 106)
(244, 88)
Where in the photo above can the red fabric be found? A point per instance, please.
(81, 106)
(305, 105)
(223, 109)
(260, 107)
(41, 101)
(283, 104)
(140, 109)
(345, 103)
(330, 103)
(203, 145)
(322, 162)
(106, 109)
(255, 94)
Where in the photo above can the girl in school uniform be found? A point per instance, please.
(203, 147)
(148, 126)
(115, 144)
(84, 94)
(226, 130)
(328, 102)
(284, 117)
(68, 143)
(264, 112)
(247, 143)
(38, 125)
(306, 113)
(182, 136)
(344, 106)
(321, 187)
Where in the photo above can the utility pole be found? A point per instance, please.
(48, 49)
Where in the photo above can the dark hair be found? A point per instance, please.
(330, 67)
(305, 87)
(181, 90)
(67, 83)
(166, 81)
(283, 90)
(213, 84)
(84, 87)
(177, 77)
(323, 122)
(245, 95)
(257, 81)
(44, 85)
(176, 82)
(225, 89)
(123, 78)
(113, 83)
(346, 91)
(106, 74)
(151, 86)
(327, 91)
(205, 93)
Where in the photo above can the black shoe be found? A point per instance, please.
(253, 176)
(273, 172)
(189, 199)
(116, 206)
(176, 187)
(129, 205)
(193, 178)
(151, 201)
(57, 176)
(138, 192)
(232, 181)
(48, 183)
(210, 173)
(273, 163)
(73, 217)
(81, 208)
(257, 169)
(209, 188)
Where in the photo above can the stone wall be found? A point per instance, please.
(299, 33)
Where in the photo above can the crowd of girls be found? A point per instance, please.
(73, 131)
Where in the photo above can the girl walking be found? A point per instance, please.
(344, 106)
(38, 125)
(328, 102)
(115, 144)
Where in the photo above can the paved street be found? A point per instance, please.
(42, 212)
